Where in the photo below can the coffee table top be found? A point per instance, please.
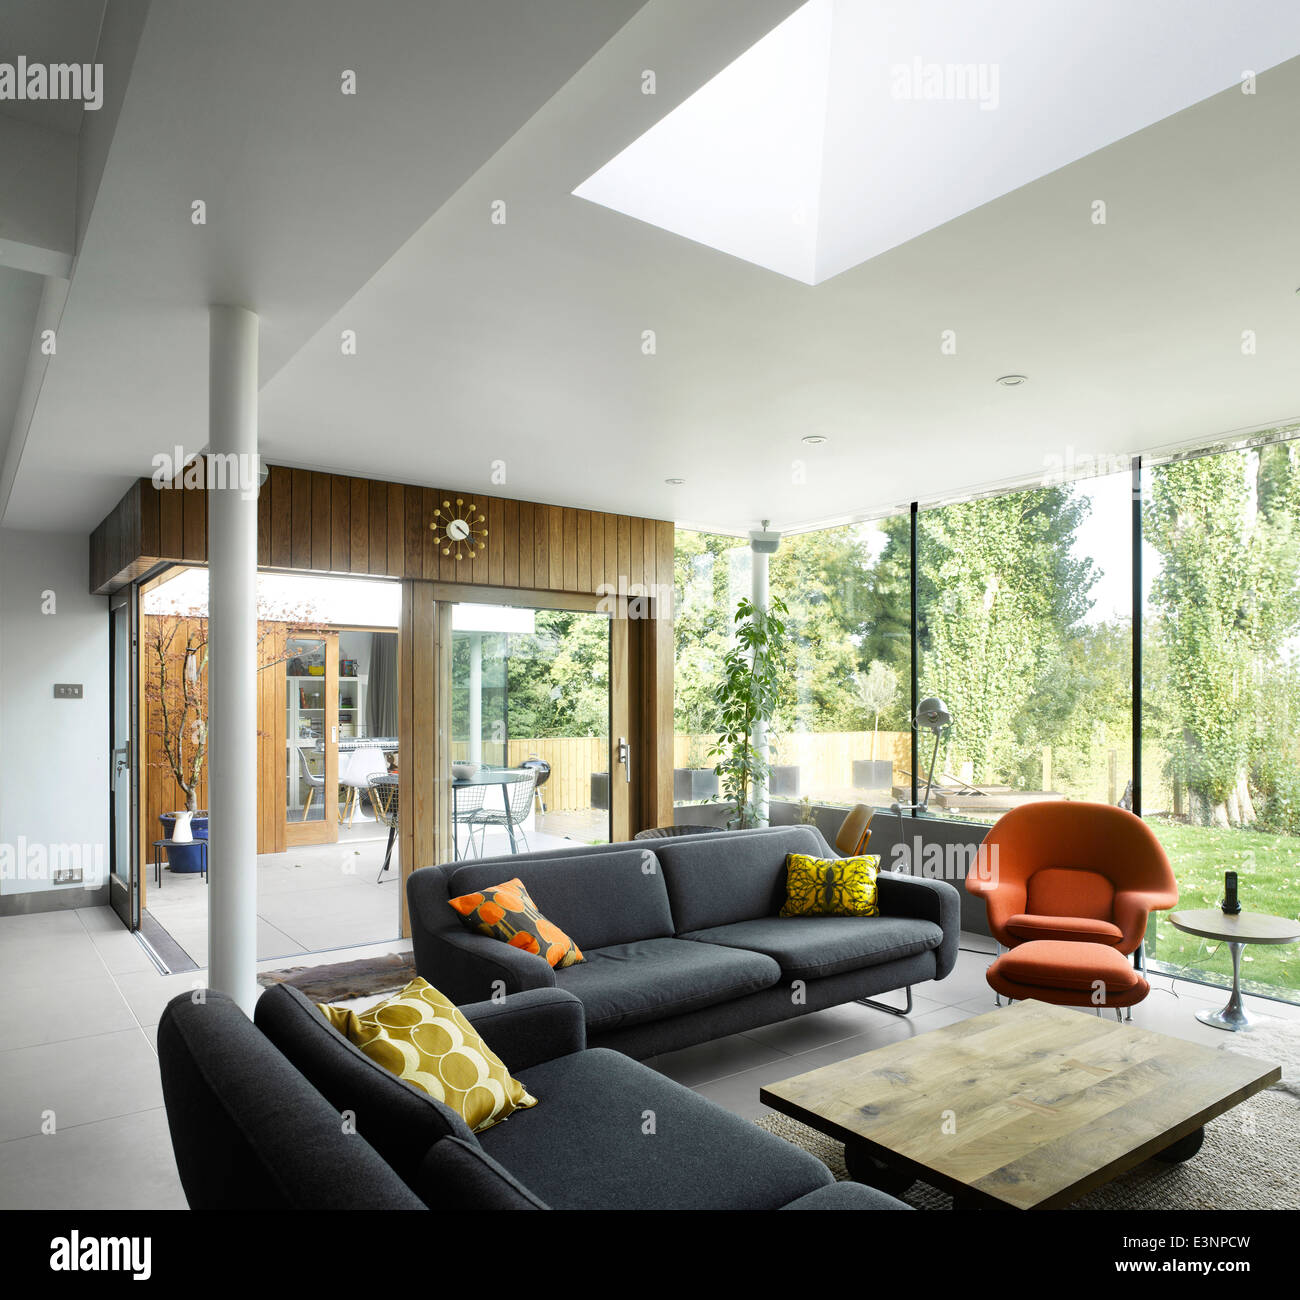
(1028, 1107)
(1245, 927)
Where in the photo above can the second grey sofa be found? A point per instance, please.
(681, 936)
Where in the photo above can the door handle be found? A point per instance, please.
(625, 757)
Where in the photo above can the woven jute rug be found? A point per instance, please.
(1250, 1160)
(344, 980)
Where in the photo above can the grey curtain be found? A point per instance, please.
(381, 691)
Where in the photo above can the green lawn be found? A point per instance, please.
(1268, 873)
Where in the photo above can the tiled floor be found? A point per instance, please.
(81, 1118)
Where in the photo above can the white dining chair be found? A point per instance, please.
(355, 771)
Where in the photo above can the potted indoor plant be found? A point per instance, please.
(751, 679)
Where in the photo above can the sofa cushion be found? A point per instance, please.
(1081, 929)
(398, 1120)
(421, 1036)
(830, 886)
(458, 1175)
(508, 913)
(598, 899)
(810, 947)
(847, 1196)
(615, 1134)
(1070, 891)
(631, 983)
(714, 881)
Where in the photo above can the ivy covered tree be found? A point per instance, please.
(1226, 602)
(999, 589)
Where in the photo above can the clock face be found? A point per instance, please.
(461, 527)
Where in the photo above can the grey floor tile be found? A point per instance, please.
(148, 992)
(124, 1163)
(739, 1092)
(78, 1081)
(100, 920)
(723, 1056)
(58, 1011)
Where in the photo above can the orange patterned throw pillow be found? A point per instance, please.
(506, 912)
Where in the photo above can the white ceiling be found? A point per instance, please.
(519, 346)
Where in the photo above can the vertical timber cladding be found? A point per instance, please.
(331, 523)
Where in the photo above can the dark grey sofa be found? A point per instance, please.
(681, 936)
(287, 1114)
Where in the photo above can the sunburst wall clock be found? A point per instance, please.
(460, 528)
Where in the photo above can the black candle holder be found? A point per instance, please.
(1231, 905)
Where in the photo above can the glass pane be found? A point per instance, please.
(842, 726)
(304, 672)
(1024, 607)
(1221, 697)
(530, 728)
(711, 575)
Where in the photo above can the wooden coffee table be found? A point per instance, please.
(1024, 1108)
(1236, 931)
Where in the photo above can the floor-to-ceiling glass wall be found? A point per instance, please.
(530, 698)
(1024, 630)
(1221, 696)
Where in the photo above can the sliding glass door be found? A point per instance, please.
(530, 729)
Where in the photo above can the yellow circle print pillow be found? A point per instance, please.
(421, 1037)
(830, 886)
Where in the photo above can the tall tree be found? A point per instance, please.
(998, 588)
(1226, 600)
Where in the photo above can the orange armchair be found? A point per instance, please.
(1061, 870)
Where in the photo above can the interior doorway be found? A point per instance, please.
(327, 761)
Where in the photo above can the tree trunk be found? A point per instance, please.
(1245, 804)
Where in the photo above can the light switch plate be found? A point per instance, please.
(67, 690)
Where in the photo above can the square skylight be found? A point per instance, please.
(856, 125)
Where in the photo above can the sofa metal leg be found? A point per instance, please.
(893, 1011)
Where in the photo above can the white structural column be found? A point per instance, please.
(759, 550)
(232, 652)
(476, 697)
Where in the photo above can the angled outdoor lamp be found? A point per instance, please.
(932, 714)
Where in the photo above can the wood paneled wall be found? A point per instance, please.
(328, 523)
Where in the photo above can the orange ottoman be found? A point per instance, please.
(1068, 974)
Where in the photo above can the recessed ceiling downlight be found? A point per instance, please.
(813, 440)
(1012, 381)
(674, 482)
